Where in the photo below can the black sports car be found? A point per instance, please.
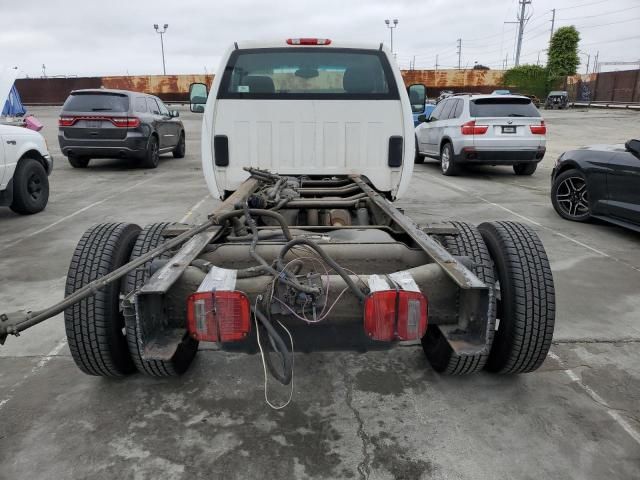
(600, 181)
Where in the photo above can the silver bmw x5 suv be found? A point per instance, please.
(483, 129)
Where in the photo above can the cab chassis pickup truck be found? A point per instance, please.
(315, 255)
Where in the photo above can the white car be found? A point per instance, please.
(483, 129)
(25, 164)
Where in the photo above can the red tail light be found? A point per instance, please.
(218, 316)
(66, 121)
(395, 315)
(123, 122)
(308, 41)
(470, 128)
(539, 129)
(128, 122)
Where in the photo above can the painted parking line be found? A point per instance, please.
(78, 212)
(40, 365)
(533, 222)
(193, 209)
(619, 419)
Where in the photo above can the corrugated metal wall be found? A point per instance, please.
(621, 86)
(479, 81)
(176, 87)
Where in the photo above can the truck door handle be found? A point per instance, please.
(11, 142)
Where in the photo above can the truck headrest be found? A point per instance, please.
(358, 80)
(259, 84)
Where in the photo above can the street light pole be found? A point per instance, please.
(391, 26)
(162, 32)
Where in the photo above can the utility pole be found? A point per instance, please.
(459, 53)
(596, 67)
(436, 62)
(521, 20)
(553, 24)
(162, 32)
(414, 63)
(506, 61)
(588, 61)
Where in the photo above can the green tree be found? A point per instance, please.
(527, 79)
(563, 57)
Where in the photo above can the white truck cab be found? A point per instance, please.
(306, 107)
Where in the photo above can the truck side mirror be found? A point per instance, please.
(417, 96)
(197, 97)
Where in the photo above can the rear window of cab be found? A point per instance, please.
(308, 74)
(503, 107)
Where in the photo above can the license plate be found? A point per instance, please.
(93, 123)
(508, 129)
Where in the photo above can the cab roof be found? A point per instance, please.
(282, 43)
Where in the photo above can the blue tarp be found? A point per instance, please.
(13, 106)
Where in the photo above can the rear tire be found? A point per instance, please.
(526, 299)
(78, 162)
(30, 187)
(151, 237)
(447, 162)
(95, 325)
(152, 155)
(180, 149)
(443, 359)
(525, 168)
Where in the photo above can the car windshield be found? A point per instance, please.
(503, 107)
(96, 102)
(308, 73)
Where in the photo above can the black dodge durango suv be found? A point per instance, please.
(102, 123)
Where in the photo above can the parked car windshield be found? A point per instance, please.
(503, 107)
(308, 73)
(96, 102)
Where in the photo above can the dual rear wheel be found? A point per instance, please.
(510, 259)
(507, 256)
(102, 341)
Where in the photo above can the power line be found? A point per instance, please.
(581, 5)
(611, 41)
(602, 14)
(606, 24)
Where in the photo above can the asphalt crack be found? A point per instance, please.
(363, 467)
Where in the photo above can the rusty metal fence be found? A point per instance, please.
(622, 87)
(175, 88)
(618, 87)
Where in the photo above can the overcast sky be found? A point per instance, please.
(116, 37)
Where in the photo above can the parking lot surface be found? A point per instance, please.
(378, 415)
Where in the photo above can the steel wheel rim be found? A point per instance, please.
(445, 159)
(34, 187)
(572, 196)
